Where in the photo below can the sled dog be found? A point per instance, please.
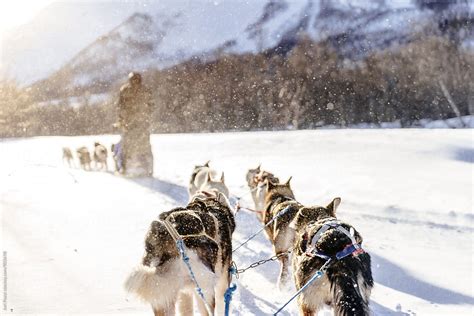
(348, 281)
(100, 156)
(204, 178)
(279, 199)
(163, 280)
(256, 182)
(67, 156)
(84, 158)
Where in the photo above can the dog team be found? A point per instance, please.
(309, 236)
(98, 157)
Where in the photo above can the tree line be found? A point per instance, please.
(308, 87)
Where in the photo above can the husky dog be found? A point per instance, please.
(67, 156)
(84, 158)
(100, 156)
(279, 199)
(256, 182)
(197, 169)
(206, 226)
(347, 284)
(251, 176)
(203, 178)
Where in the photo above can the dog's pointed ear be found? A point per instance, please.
(288, 181)
(258, 168)
(222, 177)
(223, 199)
(208, 179)
(332, 207)
(206, 164)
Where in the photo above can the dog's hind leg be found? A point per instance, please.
(221, 286)
(283, 278)
(209, 296)
(202, 308)
(283, 241)
(207, 282)
(185, 303)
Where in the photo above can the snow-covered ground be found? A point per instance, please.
(72, 236)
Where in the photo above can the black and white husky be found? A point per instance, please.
(163, 280)
(348, 281)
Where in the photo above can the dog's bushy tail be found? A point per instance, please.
(351, 286)
(348, 299)
(142, 282)
(151, 287)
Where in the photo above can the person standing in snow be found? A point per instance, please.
(134, 120)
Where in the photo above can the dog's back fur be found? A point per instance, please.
(347, 284)
(206, 227)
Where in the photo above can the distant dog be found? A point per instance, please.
(67, 156)
(100, 156)
(84, 158)
(347, 284)
(206, 226)
(256, 182)
(192, 189)
(204, 178)
(251, 176)
(279, 199)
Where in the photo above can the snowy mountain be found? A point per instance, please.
(112, 38)
(66, 32)
(71, 237)
(36, 49)
(163, 34)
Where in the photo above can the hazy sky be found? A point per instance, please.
(17, 12)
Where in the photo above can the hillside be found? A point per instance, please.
(113, 38)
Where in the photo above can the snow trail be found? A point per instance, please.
(72, 236)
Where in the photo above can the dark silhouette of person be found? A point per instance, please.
(134, 120)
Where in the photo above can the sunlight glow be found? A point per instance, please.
(16, 12)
